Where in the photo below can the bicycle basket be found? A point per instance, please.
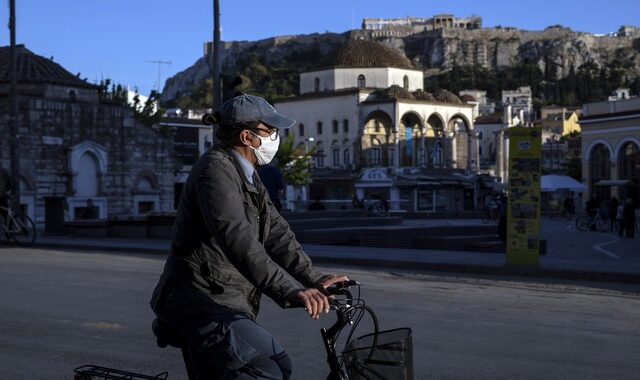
(385, 355)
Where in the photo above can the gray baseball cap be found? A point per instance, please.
(248, 108)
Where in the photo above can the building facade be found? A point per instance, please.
(76, 145)
(521, 102)
(611, 149)
(367, 110)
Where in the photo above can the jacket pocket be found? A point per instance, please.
(222, 277)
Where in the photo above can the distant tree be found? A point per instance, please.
(295, 163)
(150, 112)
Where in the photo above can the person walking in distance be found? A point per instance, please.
(629, 218)
(229, 246)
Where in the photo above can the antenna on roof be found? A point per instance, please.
(159, 63)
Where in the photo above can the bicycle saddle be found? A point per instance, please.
(166, 335)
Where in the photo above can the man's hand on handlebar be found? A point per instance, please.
(326, 281)
(314, 301)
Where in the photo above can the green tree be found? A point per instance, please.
(150, 112)
(295, 162)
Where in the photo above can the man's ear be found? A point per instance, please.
(245, 137)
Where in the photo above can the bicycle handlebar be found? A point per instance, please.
(339, 288)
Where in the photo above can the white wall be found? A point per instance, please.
(342, 78)
(310, 111)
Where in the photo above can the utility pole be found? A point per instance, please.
(14, 153)
(217, 88)
(159, 63)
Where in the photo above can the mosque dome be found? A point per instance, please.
(445, 96)
(423, 95)
(397, 92)
(365, 53)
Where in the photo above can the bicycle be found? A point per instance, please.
(380, 355)
(596, 222)
(17, 226)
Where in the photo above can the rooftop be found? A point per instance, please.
(365, 53)
(33, 68)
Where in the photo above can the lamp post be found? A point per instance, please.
(14, 152)
(217, 89)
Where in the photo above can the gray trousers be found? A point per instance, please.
(232, 346)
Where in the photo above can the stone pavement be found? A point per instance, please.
(571, 254)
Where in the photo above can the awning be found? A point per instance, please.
(560, 182)
(616, 182)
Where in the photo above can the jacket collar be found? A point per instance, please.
(250, 187)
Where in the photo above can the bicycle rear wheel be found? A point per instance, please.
(582, 223)
(22, 230)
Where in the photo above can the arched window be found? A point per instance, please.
(86, 181)
(347, 157)
(629, 161)
(345, 126)
(319, 155)
(316, 84)
(301, 130)
(319, 128)
(335, 126)
(335, 153)
(362, 82)
(72, 96)
(405, 82)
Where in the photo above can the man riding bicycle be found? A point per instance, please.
(229, 246)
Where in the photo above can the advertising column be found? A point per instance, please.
(523, 210)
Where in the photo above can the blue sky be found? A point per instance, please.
(114, 38)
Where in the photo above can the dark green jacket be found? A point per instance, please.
(229, 245)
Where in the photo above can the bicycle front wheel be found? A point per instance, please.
(22, 230)
(582, 223)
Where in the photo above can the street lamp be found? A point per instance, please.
(306, 148)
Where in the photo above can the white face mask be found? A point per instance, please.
(267, 149)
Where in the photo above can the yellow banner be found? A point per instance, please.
(523, 210)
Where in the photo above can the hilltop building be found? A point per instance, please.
(411, 25)
(77, 145)
(377, 134)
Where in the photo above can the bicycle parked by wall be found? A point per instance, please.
(593, 222)
(17, 227)
(378, 355)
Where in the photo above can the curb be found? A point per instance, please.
(502, 270)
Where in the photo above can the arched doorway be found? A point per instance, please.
(459, 129)
(409, 136)
(377, 141)
(600, 169)
(88, 163)
(629, 169)
(434, 141)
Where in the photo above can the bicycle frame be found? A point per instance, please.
(344, 308)
(8, 219)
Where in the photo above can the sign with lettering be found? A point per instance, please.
(523, 209)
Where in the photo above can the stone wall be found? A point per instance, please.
(50, 128)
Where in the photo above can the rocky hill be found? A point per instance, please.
(271, 66)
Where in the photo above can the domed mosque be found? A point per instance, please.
(377, 134)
